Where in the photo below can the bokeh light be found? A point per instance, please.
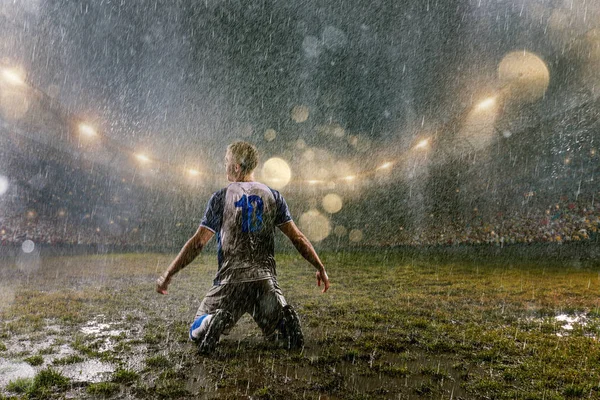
(332, 203)
(340, 230)
(525, 75)
(312, 47)
(270, 135)
(28, 246)
(300, 114)
(355, 235)
(3, 185)
(276, 173)
(334, 38)
(315, 225)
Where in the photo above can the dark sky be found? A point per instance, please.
(182, 78)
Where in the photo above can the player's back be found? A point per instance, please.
(249, 212)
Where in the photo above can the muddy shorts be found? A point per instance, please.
(263, 300)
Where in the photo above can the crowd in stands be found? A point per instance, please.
(561, 223)
(59, 231)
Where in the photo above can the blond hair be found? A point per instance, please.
(244, 154)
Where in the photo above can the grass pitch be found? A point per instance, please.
(390, 327)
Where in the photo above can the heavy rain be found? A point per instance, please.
(439, 159)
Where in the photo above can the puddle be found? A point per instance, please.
(569, 320)
(88, 371)
(10, 371)
(97, 328)
(101, 330)
(566, 323)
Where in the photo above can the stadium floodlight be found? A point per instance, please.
(87, 130)
(12, 76)
(423, 144)
(142, 158)
(386, 165)
(486, 104)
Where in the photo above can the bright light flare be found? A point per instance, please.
(486, 104)
(142, 158)
(87, 130)
(193, 172)
(423, 144)
(350, 178)
(12, 76)
(386, 165)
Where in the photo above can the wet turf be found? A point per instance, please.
(390, 327)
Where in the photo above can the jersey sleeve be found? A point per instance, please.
(213, 216)
(282, 212)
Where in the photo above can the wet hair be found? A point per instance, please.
(245, 155)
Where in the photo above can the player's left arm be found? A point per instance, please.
(188, 253)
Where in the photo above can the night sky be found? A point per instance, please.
(186, 75)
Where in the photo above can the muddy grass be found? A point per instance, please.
(93, 327)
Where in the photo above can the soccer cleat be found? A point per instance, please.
(221, 321)
(292, 332)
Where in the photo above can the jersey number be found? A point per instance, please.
(252, 212)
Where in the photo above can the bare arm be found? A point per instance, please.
(306, 249)
(188, 253)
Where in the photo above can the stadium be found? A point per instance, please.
(442, 159)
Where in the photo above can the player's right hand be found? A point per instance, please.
(322, 277)
(161, 285)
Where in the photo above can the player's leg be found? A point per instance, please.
(275, 317)
(221, 321)
(215, 316)
(291, 329)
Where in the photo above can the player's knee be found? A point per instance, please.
(199, 327)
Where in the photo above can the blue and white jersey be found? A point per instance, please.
(244, 216)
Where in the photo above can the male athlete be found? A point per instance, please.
(244, 216)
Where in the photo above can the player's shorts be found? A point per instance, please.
(263, 300)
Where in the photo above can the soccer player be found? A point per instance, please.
(244, 216)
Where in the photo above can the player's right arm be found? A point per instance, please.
(188, 253)
(306, 249)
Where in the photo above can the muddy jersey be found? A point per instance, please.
(244, 216)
